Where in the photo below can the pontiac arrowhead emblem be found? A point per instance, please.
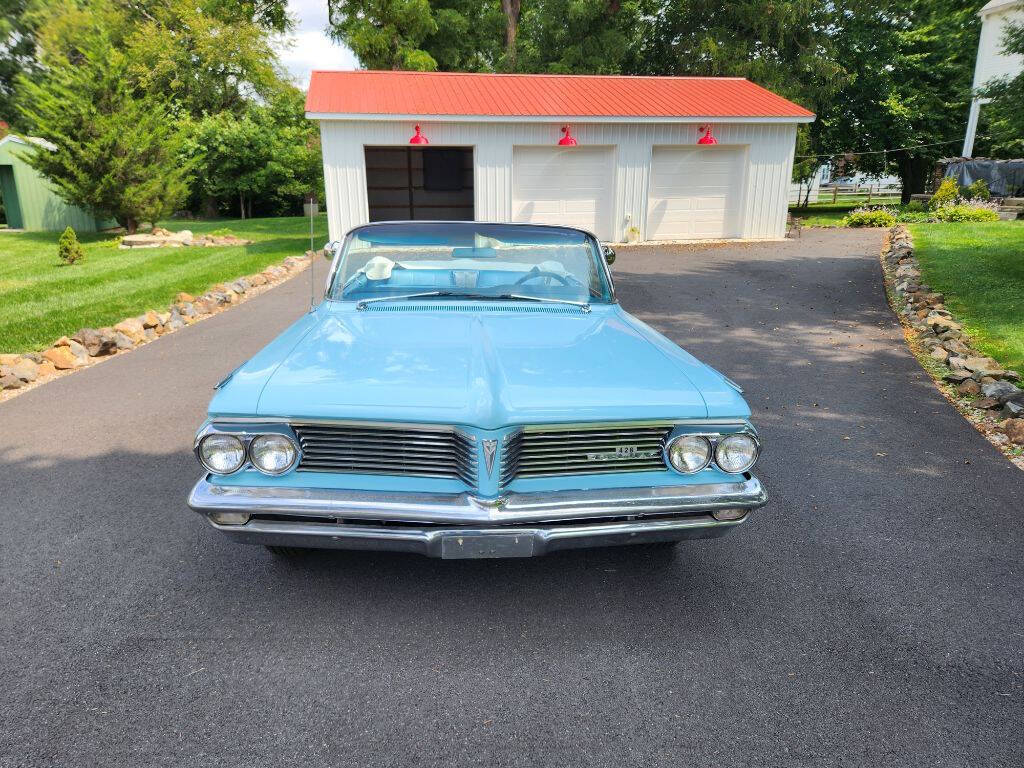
(490, 447)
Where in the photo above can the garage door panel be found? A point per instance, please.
(695, 193)
(568, 186)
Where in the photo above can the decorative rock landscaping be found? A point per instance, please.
(162, 238)
(90, 345)
(986, 393)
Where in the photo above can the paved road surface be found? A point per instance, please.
(869, 615)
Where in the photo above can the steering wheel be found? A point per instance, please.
(534, 273)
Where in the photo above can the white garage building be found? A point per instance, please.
(628, 158)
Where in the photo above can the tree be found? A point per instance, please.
(204, 63)
(468, 37)
(17, 53)
(511, 9)
(910, 66)
(68, 248)
(271, 15)
(385, 34)
(787, 46)
(805, 164)
(269, 155)
(1004, 115)
(575, 36)
(114, 152)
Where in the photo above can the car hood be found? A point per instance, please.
(488, 368)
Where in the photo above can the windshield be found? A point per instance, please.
(471, 260)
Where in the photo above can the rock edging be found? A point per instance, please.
(20, 372)
(981, 389)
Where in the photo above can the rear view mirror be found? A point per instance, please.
(609, 254)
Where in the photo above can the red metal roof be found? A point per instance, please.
(364, 92)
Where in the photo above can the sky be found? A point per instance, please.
(311, 47)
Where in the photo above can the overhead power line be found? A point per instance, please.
(883, 151)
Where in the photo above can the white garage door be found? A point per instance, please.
(696, 193)
(570, 186)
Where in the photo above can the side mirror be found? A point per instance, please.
(609, 254)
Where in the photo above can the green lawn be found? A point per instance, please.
(41, 299)
(980, 268)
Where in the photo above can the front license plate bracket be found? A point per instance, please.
(457, 546)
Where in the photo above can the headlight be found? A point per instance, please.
(221, 454)
(689, 453)
(736, 453)
(272, 454)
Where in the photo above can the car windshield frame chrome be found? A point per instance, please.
(340, 248)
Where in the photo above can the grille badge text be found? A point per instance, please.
(624, 453)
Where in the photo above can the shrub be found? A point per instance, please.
(947, 192)
(915, 206)
(870, 217)
(977, 191)
(68, 247)
(962, 211)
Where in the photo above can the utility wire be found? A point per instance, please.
(884, 151)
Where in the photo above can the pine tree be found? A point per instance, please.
(68, 247)
(115, 152)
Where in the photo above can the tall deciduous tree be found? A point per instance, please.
(577, 36)
(114, 152)
(17, 53)
(385, 34)
(205, 63)
(910, 65)
(788, 46)
(269, 156)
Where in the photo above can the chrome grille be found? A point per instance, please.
(367, 449)
(584, 450)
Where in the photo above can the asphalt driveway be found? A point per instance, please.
(871, 614)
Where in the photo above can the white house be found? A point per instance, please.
(992, 63)
(629, 158)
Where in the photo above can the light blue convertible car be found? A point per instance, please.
(473, 390)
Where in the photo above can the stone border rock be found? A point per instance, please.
(22, 372)
(977, 385)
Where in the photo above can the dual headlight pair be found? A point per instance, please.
(732, 453)
(223, 453)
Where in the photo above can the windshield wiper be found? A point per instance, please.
(363, 303)
(583, 305)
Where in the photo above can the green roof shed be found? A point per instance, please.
(30, 202)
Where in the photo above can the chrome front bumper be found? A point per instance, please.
(460, 525)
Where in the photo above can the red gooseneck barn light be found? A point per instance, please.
(418, 138)
(568, 140)
(707, 138)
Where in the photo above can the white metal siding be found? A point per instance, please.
(571, 186)
(696, 193)
(769, 148)
(992, 62)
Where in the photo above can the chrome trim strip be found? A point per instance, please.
(436, 427)
(464, 509)
(430, 541)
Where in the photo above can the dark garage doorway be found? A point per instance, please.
(425, 183)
